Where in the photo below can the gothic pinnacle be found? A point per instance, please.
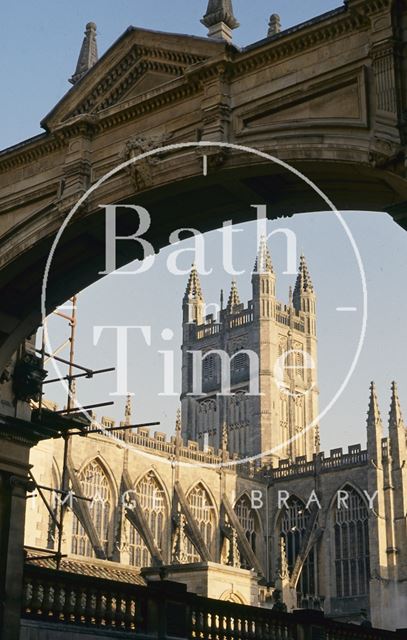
(178, 423)
(127, 411)
(263, 262)
(395, 415)
(373, 413)
(220, 19)
(234, 298)
(193, 290)
(397, 431)
(88, 55)
(303, 283)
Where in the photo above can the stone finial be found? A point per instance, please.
(178, 423)
(290, 296)
(234, 298)
(274, 25)
(220, 19)
(224, 436)
(263, 262)
(127, 411)
(88, 55)
(234, 554)
(282, 561)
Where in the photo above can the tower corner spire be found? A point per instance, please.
(303, 284)
(220, 20)
(263, 263)
(193, 302)
(88, 55)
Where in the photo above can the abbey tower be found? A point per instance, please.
(272, 395)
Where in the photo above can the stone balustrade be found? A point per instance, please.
(165, 609)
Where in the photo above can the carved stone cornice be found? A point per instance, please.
(131, 67)
(189, 71)
(297, 40)
(368, 7)
(30, 151)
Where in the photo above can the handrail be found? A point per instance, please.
(165, 609)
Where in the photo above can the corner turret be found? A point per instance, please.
(193, 304)
(264, 283)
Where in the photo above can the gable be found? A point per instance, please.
(140, 61)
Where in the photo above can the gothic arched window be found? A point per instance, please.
(151, 498)
(95, 485)
(204, 514)
(247, 519)
(351, 545)
(294, 524)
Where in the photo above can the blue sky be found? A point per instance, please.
(41, 41)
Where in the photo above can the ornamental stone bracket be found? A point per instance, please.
(142, 171)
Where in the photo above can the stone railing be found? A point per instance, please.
(319, 464)
(165, 609)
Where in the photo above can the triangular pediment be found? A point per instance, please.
(139, 62)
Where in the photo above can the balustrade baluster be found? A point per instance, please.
(110, 609)
(208, 624)
(90, 606)
(48, 603)
(58, 603)
(80, 605)
(27, 595)
(119, 611)
(99, 609)
(36, 598)
(69, 608)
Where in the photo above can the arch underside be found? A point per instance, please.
(203, 203)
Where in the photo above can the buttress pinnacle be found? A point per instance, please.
(373, 412)
(395, 415)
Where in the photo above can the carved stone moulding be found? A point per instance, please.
(142, 171)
